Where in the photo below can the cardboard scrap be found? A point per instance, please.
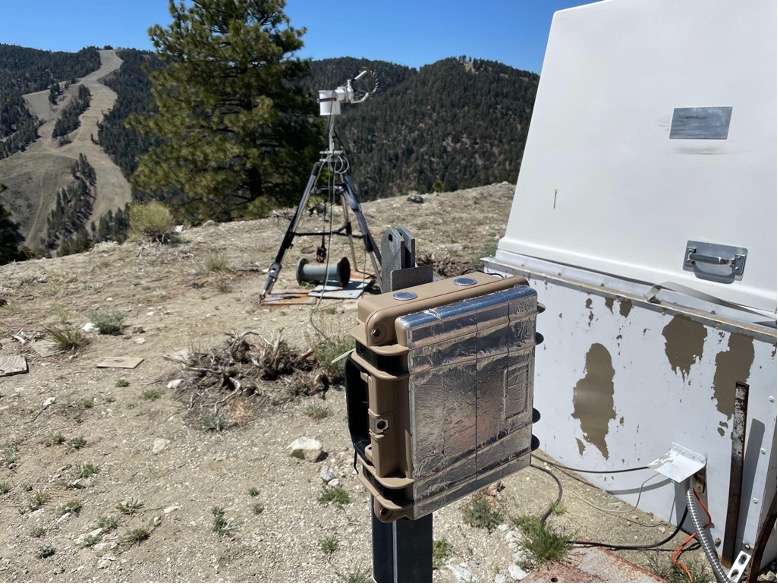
(12, 365)
(45, 348)
(121, 362)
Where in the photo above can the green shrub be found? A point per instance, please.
(329, 545)
(329, 349)
(337, 495)
(216, 262)
(441, 550)
(543, 544)
(53, 439)
(67, 338)
(44, 551)
(152, 220)
(479, 514)
(108, 323)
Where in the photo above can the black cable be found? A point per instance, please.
(559, 495)
(548, 512)
(634, 547)
(580, 470)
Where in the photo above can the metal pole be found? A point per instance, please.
(402, 549)
(739, 424)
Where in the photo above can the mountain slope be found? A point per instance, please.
(35, 176)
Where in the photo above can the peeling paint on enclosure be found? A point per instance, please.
(609, 304)
(625, 307)
(732, 365)
(684, 340)
(593, 397)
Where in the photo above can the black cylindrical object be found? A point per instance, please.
(340, 272)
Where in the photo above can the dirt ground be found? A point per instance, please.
(78, 442)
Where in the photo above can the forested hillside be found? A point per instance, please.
(455, 124)
(451, 125)
(25, 70)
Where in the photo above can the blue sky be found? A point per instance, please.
(407, 32)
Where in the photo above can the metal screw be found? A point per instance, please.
(376, 332)
(763, 451)
(755, 501)
(717, 541)
(771, 398)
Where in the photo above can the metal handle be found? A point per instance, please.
(737, 261)
(706, 259)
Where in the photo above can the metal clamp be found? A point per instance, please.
(738, 569)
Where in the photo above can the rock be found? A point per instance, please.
(517, 573)
(327, 473)
(502, 527)
(81, 539)
(159, 445)
(499, 578)
(175, 383)
(139, 340)
(334, 483)
(170, 509)
(138, 330)
(105, 562)
(104, 546)
(415, 199)
(460, 574)
(49, 401)
(89, 327)
(306, 449)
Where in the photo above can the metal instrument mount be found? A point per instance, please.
(339, 186)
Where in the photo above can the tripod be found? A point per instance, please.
(339, 185)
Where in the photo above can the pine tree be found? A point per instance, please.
(238, 131)
(9, 246)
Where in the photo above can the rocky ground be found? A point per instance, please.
(106, 475)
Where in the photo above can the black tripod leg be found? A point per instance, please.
(370, 245)
(275, 268)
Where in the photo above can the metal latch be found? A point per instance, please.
(713, 261)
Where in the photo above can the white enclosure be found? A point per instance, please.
(645, 218)
(607, 183)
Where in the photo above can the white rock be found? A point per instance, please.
(49, 401)
(89, 327)
(499, 579)
(334, 483)
(139, 340)
(502, 527)
(81, 539)
(306, 448)
(460, 574)
(327, 473)
(516, 572)
(159, 445)
(175, 383)
(171, 509)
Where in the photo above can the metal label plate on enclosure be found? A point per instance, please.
(700, 123)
